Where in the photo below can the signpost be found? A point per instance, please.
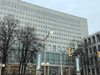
(38, 67)
(77, 65)
(77, 58)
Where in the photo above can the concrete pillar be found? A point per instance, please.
(84, 71)
(62, 71)
(96, 40)
(69, 71)
(58, 71)
(9, 65)
(90, 71)
(48, 70)
(95, 71)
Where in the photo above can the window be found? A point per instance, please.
(15, 45)
(59, 48)
(63, 49)
(98, 47)
(21, 45)
(44, 47)
(54, 48)
(49, 47)
(23, 7)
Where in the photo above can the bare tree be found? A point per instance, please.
(7, 31)
(28, 46)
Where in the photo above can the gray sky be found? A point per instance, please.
(89, 9)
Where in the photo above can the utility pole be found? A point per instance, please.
(51, 32)
(77, 58)
(38, 67)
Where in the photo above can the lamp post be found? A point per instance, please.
(38, 64)
(1, 65)
(51, 32)
(39, 59)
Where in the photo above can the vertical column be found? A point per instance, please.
(58, 71)
(9, 65)
(68, 70)
(48, 70)
(90, 71)
(84, 70)
(62, 71)
(95, 71)
(96, 39)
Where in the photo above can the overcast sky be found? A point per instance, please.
(89, 9)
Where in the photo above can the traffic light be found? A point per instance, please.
(70, 51)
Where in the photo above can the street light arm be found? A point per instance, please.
(46, 37)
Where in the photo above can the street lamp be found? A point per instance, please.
(38, 65)
(51, 32)
(3, 65)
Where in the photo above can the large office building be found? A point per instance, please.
(65, 28)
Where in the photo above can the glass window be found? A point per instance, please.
(63, 49)
(44, 47)
(21, 46)
(49, 47)
(90, 50)
(15, 45)
(59, 48)
(54, 48)
(98, 47)
(23, 7)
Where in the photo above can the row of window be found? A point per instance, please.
(54, 58)
(94, 49)
(51, 58)
(60, 37)
(54, 48)
(61, 33)
(54, 29)
(46, 23)
(40, 12)
(49, 47)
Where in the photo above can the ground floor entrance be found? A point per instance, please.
(50, 70)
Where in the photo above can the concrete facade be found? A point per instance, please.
(66, 27)
(93, 45)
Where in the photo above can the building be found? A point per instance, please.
(66, 28)
(93, 45)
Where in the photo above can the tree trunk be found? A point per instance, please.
(19, 69)
(24, 68)
(3, 62)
